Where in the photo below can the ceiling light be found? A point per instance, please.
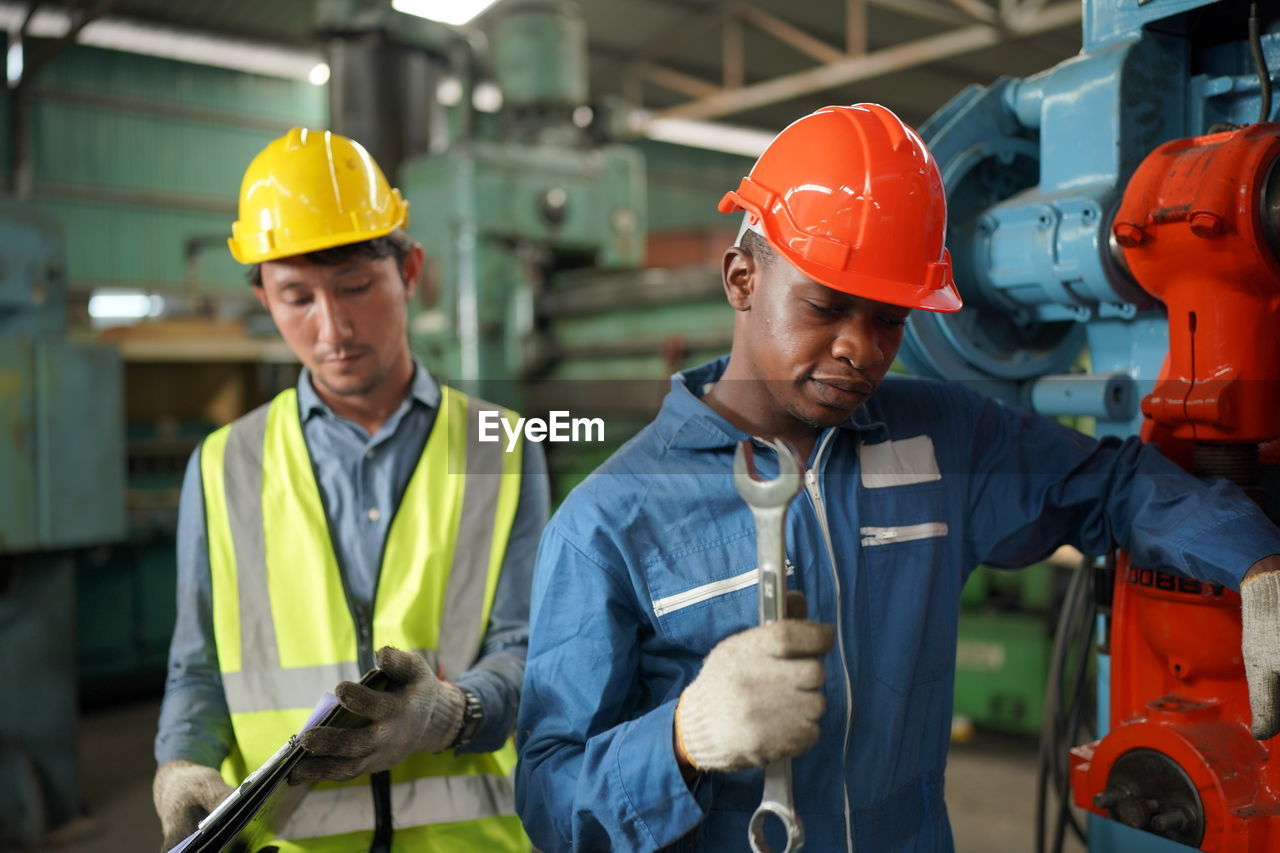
(319, 75)
(167, 42)
(455, 12)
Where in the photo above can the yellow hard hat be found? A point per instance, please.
(311, 190)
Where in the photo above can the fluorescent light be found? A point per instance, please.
(729, 138)
(319, 75)
(124, 305)
(455, 12)
(13, 64)
(184, 45)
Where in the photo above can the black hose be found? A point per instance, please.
(1079, 703)
(1259, 63)
(1065, 707)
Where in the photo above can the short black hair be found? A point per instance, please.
(397, 244)
(758, 247)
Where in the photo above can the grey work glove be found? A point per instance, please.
(1260, 645)
(758, 697)
(416, 713)
(184, 793)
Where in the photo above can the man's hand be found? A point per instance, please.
(416, 713)
(1260, 643)
(757, 698)
(184, 793)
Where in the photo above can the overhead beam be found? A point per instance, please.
(733, 57)
(925, 10)
(876, 64)
(855, 27)
(978, 11)
(677, 81)
(790, 34)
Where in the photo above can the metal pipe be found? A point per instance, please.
(1111, 396)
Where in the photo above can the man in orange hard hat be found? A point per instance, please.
(653, 697)
(353, 521)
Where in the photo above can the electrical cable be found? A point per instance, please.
(1259, 63)
(1076, 716)
(1066, 707)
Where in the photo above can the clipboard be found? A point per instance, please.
(254, 812)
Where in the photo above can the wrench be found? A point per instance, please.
(768, 500)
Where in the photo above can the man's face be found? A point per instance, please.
(820, 352)
(346, 323)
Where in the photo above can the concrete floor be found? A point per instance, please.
(990, 789)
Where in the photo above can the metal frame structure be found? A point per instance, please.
(973, 25)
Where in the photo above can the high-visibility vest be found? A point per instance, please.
(286, 632)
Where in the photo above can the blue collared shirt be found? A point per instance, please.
(361, 478)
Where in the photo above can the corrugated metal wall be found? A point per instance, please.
(136, 156)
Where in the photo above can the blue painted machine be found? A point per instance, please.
(1037, 170)
(61, 491)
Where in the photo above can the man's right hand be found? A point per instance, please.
(184, 793)
(757, 699)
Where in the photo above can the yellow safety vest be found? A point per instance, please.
(286, 633)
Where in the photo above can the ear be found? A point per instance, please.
(261, 292)
(411, 270)
(740, 274)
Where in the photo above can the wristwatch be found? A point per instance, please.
(472, 717)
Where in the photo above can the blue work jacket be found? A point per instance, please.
(651, 561)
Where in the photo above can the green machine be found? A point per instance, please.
(1003, 650)
(516, 197)
(61, 500)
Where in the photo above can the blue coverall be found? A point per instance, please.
(651, 561)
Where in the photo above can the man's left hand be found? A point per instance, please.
(416, 713)
(1260, 643)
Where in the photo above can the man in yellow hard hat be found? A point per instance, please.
(353, 513)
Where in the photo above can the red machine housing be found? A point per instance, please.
(1199, 228)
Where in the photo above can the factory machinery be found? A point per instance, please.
(1128, 201)
(62, 499)
(1124, 204)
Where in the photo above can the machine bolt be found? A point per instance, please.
(1107, 798)
(1205, 224)
(1128, 234)
(1173, 820)
(1134, 812)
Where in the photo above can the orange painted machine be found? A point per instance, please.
(1199, 227)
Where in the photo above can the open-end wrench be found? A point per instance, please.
(768, 500)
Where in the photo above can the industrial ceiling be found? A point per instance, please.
(757, 64)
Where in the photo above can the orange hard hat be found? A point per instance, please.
(852, 198)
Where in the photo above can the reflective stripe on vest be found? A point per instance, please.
(284, 630)
(418, 802)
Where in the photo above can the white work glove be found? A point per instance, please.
(416, 713)
(758, 697)
(184, 793)
(1260, 644)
